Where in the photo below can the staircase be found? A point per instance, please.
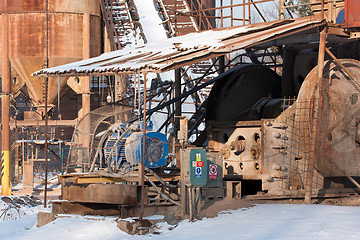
(177, 21)
(121, 21)
(123, 28)
(170, 12)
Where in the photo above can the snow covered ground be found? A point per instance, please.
(267, 221)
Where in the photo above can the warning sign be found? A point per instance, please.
(198, 164)
(198, 157)
(212, 171)
(198, 172)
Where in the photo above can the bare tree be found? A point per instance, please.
(299, 8)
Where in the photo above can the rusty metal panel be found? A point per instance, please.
(78, 6)
(27, 44)
(100, 193)
(185, 50)
(352, 16)
(22, 6)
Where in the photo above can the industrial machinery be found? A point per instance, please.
(118, 147)
(124, 145)
(251, 87)
(267, 146)
(268, 128)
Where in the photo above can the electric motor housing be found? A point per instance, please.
(156, 149)
(129, 147)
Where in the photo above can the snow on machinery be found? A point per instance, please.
(267, 147)
(262, 145)
(258, 139)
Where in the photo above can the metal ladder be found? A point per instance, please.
(121, 21)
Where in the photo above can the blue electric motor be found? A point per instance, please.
(129, 149)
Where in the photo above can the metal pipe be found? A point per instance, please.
(312, 4)
(249, 12)
(61, 157)
(108, 160)
(315, 121)
(5, 109)
(46, 103)
(59, 116)
(221, 64)
(198, 200)
(190, 203)
(353, 181)
(17, 174)
(185, 94)
(177, 94)
(46, 142)
(142, 172)
(243, 18)
(281, 9)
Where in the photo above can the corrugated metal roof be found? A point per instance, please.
(184, 50)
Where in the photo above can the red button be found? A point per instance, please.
(200, 164)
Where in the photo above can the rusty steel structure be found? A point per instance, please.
(29, 33)
(273, 102)
(40, 34)
(5, 109)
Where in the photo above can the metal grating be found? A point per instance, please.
(298, 137)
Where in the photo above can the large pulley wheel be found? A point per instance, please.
(337, 137)
(240, 90)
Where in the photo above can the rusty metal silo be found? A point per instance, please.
(63, 30)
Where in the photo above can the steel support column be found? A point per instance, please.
(5, 109)
(281, 9)
(85, 96)
(46, 85)
(177, 114)
(86, 55)
(314, 128)
(221, 64)
(46, 140)
(142, 165)
(177, 94)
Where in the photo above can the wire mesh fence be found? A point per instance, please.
(299, 136)
(88, 132)
(323, 133)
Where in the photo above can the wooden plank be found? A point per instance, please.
(100, 193)
(28, 174)
(109, 178)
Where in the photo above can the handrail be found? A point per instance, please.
(106, 20)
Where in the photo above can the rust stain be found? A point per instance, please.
(27, 44)
(352, 17)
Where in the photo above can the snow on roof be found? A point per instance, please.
(180, 51)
